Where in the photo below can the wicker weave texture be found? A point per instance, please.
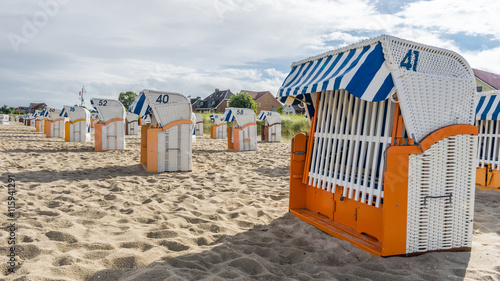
(441, 195)
(437, 91)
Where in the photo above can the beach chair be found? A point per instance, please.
(242, 136)
(40, 121)
(4, 119)
(488, 150)
(166, 144)
(132, 125)
(199, 124)
(219, 129)
(388, 163)
(77, 128)
(54, 125)
(110, 130)
(271, 129)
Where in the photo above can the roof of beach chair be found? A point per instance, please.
(76, 112)
(53, 113)
(242, 116)
(132, 116)
(108, 109)
(217, 118)
(488, 105)
(374, 69)
(167, 107)
(272, 117)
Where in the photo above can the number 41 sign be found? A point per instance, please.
(410, 60)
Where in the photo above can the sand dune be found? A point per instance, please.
(86, 215)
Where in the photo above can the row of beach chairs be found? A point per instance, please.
(390, 160)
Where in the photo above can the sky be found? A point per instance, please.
(51, 49)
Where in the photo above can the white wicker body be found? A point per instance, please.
(244, 128)
(132, 123)
(199, 125)
(247, 137)
(79, 123)
(441, 196)
(57, 127)
(174, 149)
(112, 115)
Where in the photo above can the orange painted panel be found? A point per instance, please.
(297, 197)
(66, 131)
(230, 145)
(98, 136)
(481, 174)
(152, 150)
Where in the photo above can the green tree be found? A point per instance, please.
(127, 98)
(5, 109)
(281, 110)
(243, 100)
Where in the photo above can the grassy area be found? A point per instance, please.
(290, 125)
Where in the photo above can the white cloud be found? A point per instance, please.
(195, 46)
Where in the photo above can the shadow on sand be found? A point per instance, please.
(287, 249)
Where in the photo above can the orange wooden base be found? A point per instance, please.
(487, 178)
(379, 231)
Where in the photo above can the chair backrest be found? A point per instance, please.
(76, 112)
(108, 109)
(271, 117)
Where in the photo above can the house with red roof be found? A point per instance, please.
(486, 81)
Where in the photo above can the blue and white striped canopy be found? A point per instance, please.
(262, 116)
(44, 113)
(488, 108)
(361, 71)
(140, 106)
(228, 115)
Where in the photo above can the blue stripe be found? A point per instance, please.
(336, 85)
(480, 104)
(318, 73)
(346, 61)
(138, 106)
(494, 116)
(299, 71)
(385, 89)
(366, 72)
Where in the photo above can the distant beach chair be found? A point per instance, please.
(271, 129)
(166, 144)
(4, 119)
(199, 124)
(77, 128)
(40, 121)
(31, 118)
(388, 163)
(488, 151)
(219, 129)
(242, 136)
(54, 126)
(110, 130)
(132, 125)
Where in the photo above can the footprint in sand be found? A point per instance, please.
(61, 236)
(174, 246)
(161, 234)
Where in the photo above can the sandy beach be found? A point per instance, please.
(85, 215)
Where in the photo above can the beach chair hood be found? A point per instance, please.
(132, 117)
(217, 118)
(53, 113)
(108, 109)
(165, 106)
(271, 117)
(76, 113)
(378, 68)
(242, 116)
